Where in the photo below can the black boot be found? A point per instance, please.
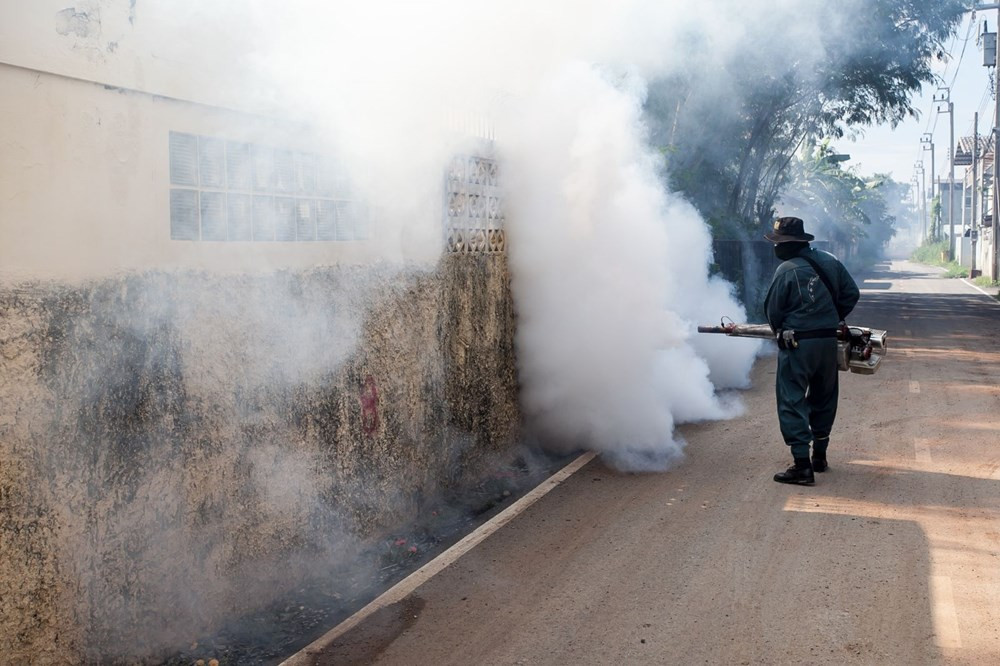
(819, 454)
(800, 473)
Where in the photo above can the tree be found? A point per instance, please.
(729, 147)
(936, 232)
(854, 213)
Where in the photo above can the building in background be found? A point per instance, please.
(976, 246)
(951, 194)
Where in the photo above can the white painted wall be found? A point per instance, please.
(90, 93)
(195, 51)
(84, 183)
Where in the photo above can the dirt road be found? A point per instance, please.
(892, 558)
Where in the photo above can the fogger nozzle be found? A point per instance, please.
(859, 349)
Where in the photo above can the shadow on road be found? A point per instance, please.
(714, 563)
(941, 320)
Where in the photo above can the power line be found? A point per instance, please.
(965, 42)
(983, 103)
(933, 115)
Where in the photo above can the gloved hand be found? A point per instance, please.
(786, 340)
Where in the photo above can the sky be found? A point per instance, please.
(887, 150)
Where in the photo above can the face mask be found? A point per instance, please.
(786, 251)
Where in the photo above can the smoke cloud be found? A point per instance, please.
(609, 269)
(610, 273)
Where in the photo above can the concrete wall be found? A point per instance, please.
(177, 446)
(198, 52)
(981, 254)
(188, 428)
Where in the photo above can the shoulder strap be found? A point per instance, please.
(822, 276)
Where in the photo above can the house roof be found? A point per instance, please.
(963, 151)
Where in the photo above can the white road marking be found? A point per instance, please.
(914, 387)
(982, 291)
(945, 617)
(403, 588)
(923, 449)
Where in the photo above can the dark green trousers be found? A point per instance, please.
(807, 387)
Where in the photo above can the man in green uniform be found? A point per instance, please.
(809, 298)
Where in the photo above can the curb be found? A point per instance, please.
(405, 587)
(992, 297)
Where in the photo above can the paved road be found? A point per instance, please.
(892, 558)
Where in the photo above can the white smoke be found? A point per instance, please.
(609, 276)
(609, 269)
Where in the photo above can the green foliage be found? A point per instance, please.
(955, 270)
(729, 146)
(984, 281)
(931, 253)
(874, 85)
(936, 233)
(936, 254)
(851, 212)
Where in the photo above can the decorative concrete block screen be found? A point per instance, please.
(474, 206)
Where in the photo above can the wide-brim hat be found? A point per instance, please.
(787, 230)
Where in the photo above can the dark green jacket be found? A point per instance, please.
(798, 300)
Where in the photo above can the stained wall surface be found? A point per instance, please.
(177, 446)
(190, 427)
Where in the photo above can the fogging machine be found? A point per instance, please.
(859, 349)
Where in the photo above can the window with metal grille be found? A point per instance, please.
(236, 191)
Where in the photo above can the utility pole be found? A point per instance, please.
(996, 158)
(919, 167)
(974, 231)
(946, 99)
(928, 142)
